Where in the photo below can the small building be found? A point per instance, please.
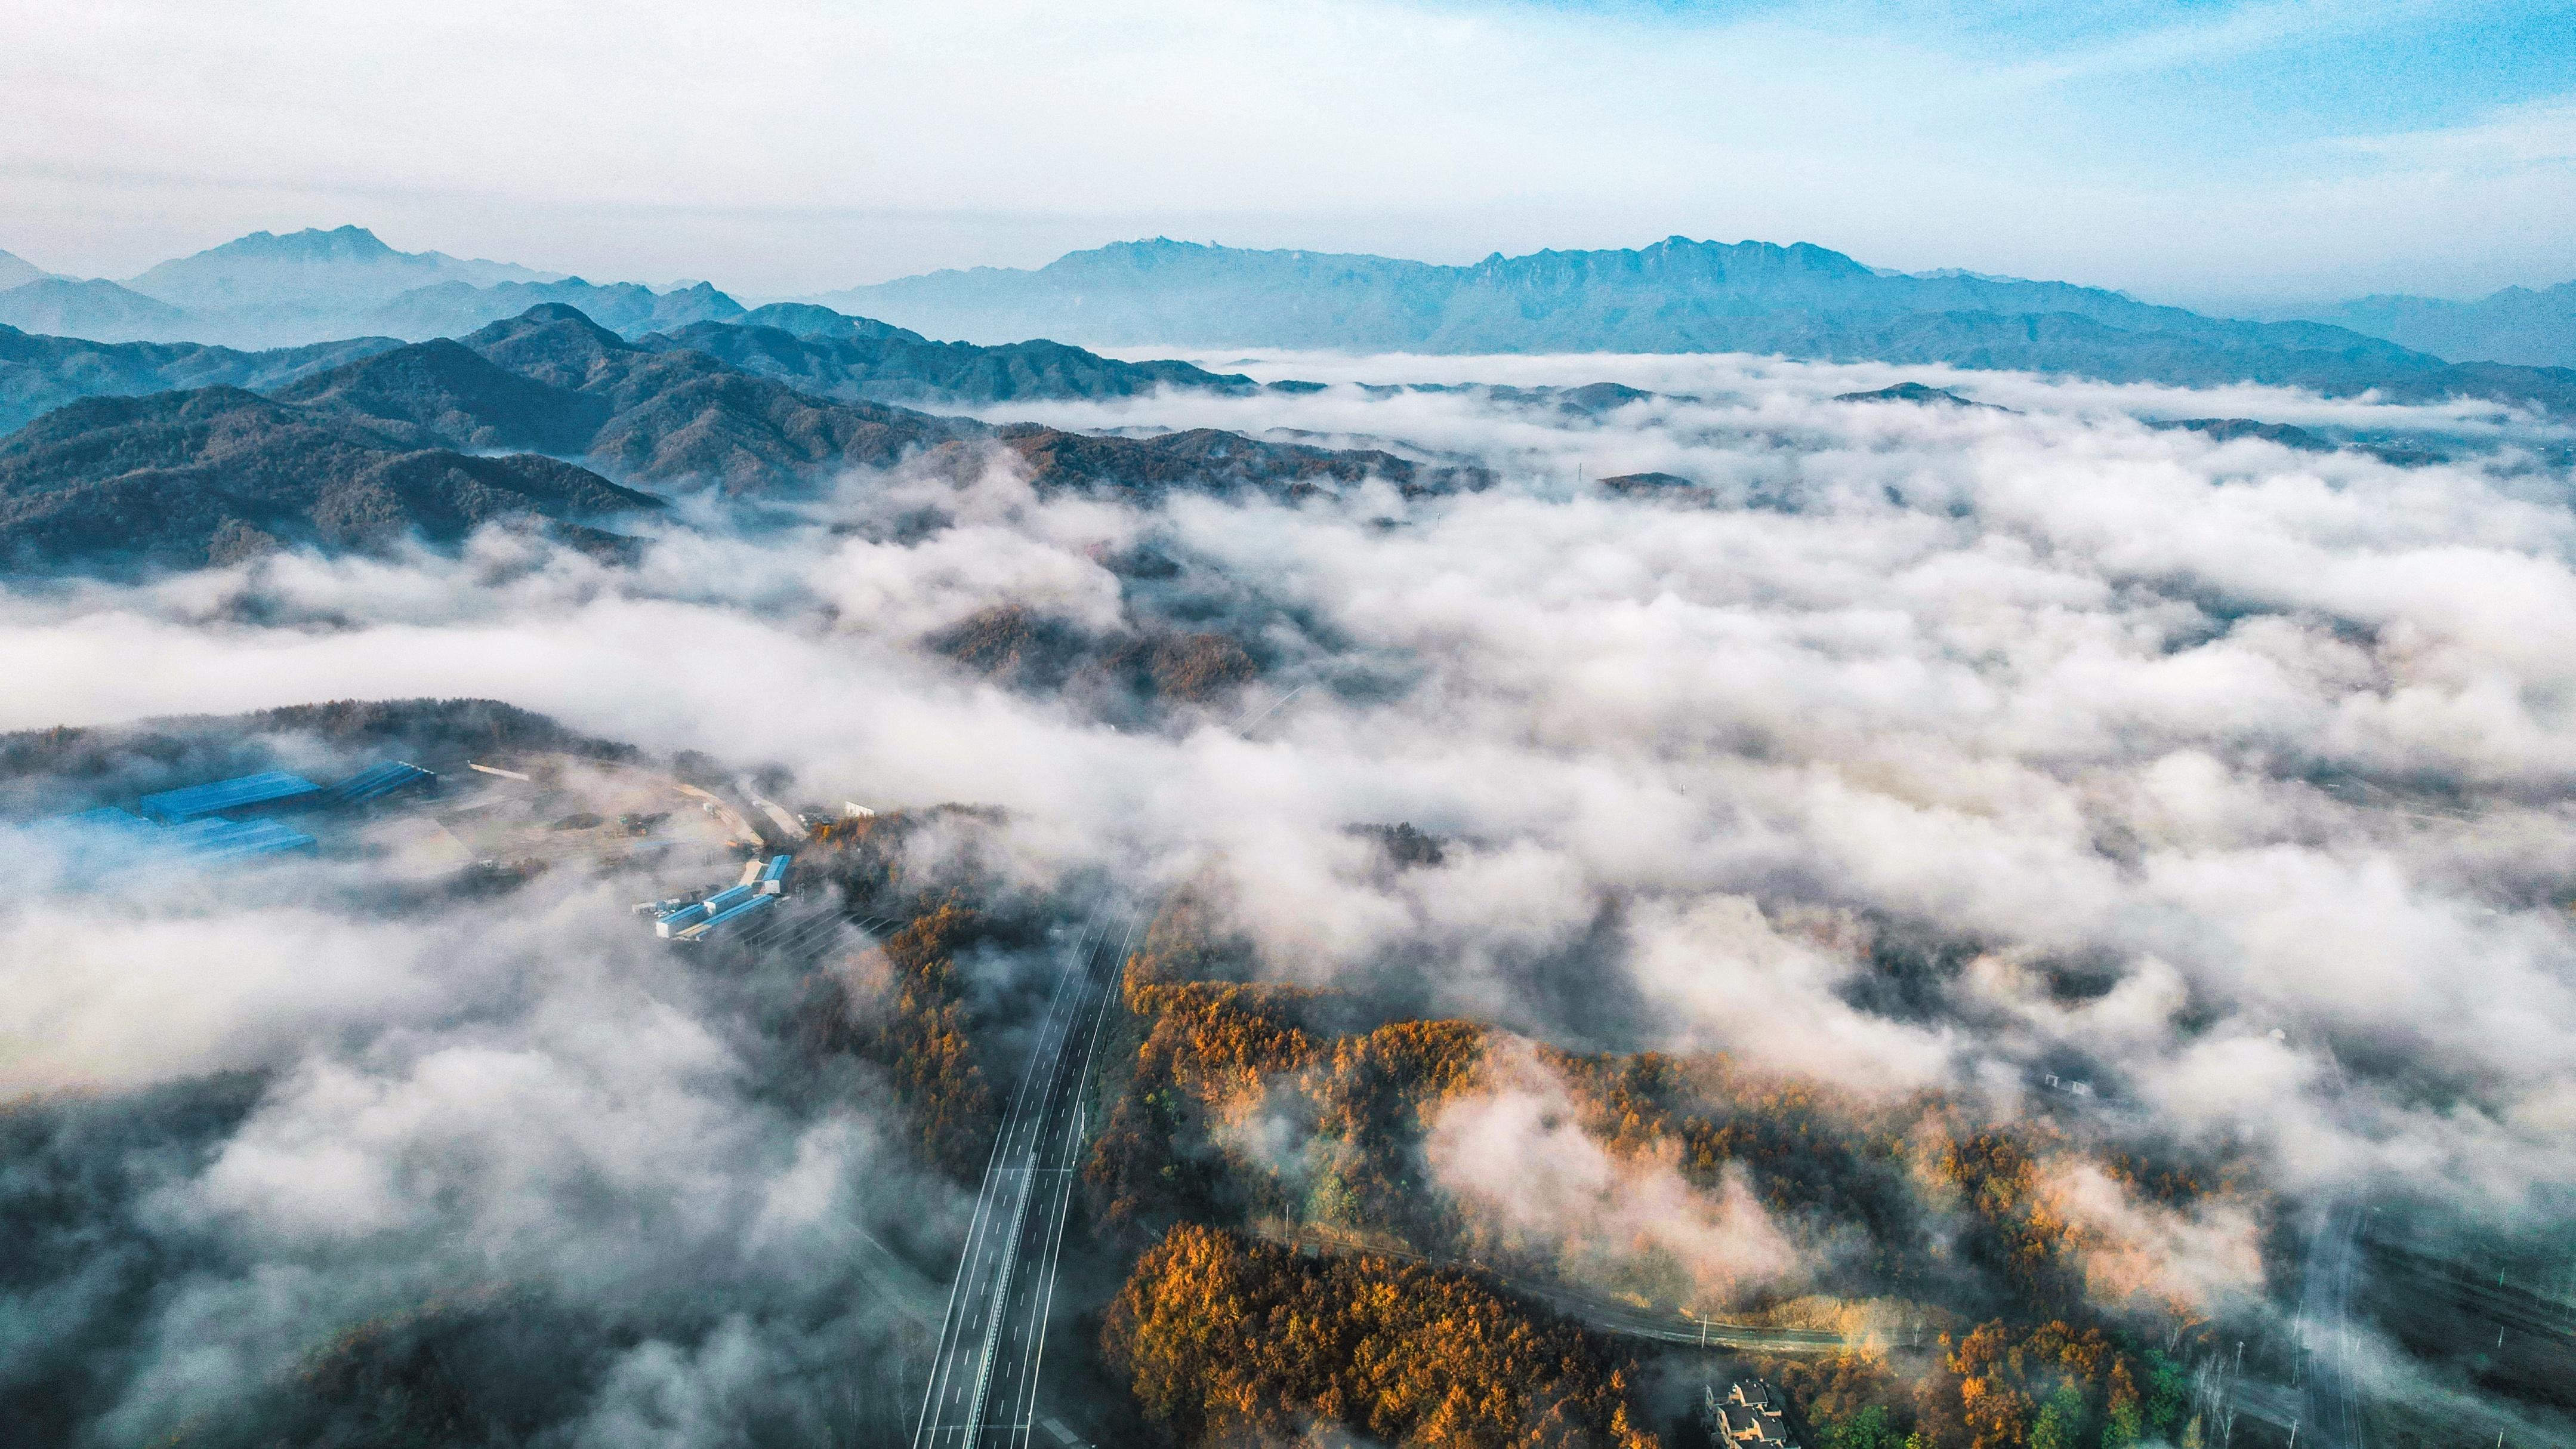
(259, 794)
(771, 879)
(1749, 1414)
(676, 925)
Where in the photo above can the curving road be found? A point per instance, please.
(984, 1378)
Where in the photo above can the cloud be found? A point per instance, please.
(1946, 752)
(1533, 1183)
(2203, 1260)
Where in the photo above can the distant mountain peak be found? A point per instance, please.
(274, 279)
(313, 243)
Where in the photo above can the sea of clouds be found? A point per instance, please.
(2272, 746)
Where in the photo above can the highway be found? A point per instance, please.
(2331, 1411)
(984, 1378)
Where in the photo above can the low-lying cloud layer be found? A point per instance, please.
(1911, 748)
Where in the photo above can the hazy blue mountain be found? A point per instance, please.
(2518, 324)
(452, 309)
(344, 268)
(17, 271)
(1678, 295)
(102, 311)
(39, 374)
(266, 290)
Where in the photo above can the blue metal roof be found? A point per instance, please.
(681, 919)
(377, 781)
(105, 817)
(94, 841)
(275, 787)
(236, 840)
(107, 840)
(722, 919)
(777, 867)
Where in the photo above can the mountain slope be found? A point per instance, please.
(185, 478)
(377, 447)
(104, 311)
(451, 309)
(1148, 468)
(2516, 325)
(870, 360)
(674, 415)
(41, 373)
(1676, 296)
(17, 271)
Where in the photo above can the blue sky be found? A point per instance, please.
(2219, 154)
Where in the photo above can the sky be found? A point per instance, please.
(2221, 154)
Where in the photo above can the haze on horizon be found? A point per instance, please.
(2214, 155)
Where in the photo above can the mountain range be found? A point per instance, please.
(819, 352)
(2518, 324)
(266, 290)
(1799, 301)
(1678, 295)
(547, 418)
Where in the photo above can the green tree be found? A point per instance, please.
(2124, 1420)
(1866, 1429)
(2060, 1424)
(2168, 1391)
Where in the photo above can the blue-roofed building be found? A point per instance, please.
(93, 842)
(252, 794)
(380, 782)
(97, 844)
(772, 878)
(671, 923)
(727, 920)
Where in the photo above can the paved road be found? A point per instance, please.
(2331, 1407)
(984, 1379)
(2331, 1411)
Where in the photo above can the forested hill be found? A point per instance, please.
(548, 419)
(824, 353)
(1678, 295)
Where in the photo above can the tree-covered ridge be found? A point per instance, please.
(1224, 1337)
(1231, 1101)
